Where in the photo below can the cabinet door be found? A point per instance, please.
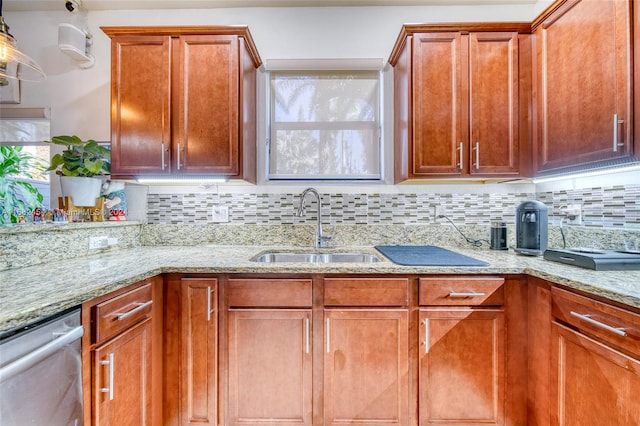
(461, 377)
(199, 376)
(207, 95)
(493, 103)
(584, 89)
(592, 384)
(140, 105)
(270, 368)
(366, 367)
(440, 104)
(122, 379)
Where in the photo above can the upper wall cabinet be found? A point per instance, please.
(183, 101)
(584, 62)
(462, 96)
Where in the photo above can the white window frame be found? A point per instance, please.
(320, 65)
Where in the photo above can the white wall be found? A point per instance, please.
(79, 99)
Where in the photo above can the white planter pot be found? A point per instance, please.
(82, 190)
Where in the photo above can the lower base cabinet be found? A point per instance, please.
(122, 348)
(595, 362)
(462, 361)
(122, 379)
(595, 384)
(270, 351)
(199, 352)
(366, 367)
(270, 368)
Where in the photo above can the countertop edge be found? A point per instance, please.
(95, 276)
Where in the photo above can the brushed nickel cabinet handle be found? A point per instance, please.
(179, 164)
(477, 149)
(587, 318)
(460, 156)
(425, 323)
(328, 335)
(135, 310)
(465, 294)
(209, 293)
(110, 362)
(164, 165)
(307, 347)
(616, 122)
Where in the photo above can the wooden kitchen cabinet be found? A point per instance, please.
(199, 349)
(584, 84)
(462, 351)
(366, 366)
(595, 362)
(462, 358)
(461, 101)
(123, 351)
(183, 101)
(270, 351)
(366, 359)
(122, 379)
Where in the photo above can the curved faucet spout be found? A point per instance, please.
(321, 239)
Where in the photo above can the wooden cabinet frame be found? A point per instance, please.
(390, 299)
(172, 113)
(453, 148)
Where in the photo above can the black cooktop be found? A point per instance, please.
(599, 260)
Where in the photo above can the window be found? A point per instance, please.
(324, 125)
(27, 128)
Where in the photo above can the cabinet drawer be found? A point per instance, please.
(464, 291)
(616, 326)
(116, 315)
(366, 291)
(273, 293)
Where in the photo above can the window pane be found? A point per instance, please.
(29, 133)
(325, 125)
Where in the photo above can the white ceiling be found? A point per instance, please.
(44, 5)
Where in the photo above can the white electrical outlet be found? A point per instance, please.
(98, 242)
(220, 214)
(574, 214)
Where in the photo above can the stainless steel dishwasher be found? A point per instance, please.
(41, 374)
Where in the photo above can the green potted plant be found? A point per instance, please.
(17, 197)
(78, 167)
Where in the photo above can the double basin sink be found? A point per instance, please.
(316, 257)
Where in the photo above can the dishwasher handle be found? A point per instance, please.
(32, 358)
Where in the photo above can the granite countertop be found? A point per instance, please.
(32, 293)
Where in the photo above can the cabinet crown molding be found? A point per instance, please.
(177, 31)
(461, 27)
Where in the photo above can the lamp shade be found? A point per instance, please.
(27, 69)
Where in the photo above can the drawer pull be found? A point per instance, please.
(307, 345)
(425, 322)
(111, 365)
(467, 294)
(209, 310)
(135, 310)
(328, 337)
(587, 318)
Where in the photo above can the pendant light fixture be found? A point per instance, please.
(14, 63)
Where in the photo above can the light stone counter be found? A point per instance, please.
(32, 293)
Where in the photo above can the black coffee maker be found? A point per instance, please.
(531, 228)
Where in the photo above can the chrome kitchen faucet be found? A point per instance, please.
(321, 239)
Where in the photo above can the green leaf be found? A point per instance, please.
(81, 158)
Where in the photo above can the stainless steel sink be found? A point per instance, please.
(315, 257)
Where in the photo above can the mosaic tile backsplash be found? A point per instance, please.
(617, 206)
(337, 209)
